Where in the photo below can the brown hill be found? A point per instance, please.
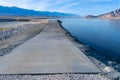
(112, 14)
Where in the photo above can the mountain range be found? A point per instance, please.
(15, 11)
(110, 15)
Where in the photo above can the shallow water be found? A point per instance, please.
(102, 35)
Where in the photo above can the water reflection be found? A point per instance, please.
(115, 24)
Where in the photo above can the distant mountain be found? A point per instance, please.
(15, 11)
(110, 15)
(91, 16)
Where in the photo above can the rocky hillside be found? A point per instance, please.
(112, 14)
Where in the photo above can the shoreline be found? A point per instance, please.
(64, 76)
(67, 75)
(96, 57)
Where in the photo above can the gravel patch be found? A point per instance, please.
(9, 32)
(54, 77)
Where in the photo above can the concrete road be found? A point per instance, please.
(49, 52)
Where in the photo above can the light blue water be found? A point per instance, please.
(102, 35)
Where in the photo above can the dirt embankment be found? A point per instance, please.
(12, 37)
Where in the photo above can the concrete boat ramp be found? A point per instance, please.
(48, 52)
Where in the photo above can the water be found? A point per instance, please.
(102, 35)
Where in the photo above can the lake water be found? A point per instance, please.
(102, 35)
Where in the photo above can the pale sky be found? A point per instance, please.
(81, 7)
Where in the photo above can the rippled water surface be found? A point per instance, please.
(102, 35)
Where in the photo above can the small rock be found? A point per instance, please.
(108, 69)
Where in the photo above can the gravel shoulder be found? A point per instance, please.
(54, 77)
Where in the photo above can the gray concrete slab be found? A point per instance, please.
(49, 52)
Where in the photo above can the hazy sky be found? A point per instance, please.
(81, 7)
